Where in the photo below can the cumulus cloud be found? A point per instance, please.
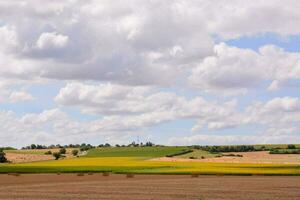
(211, 139)
(51, 40)
(17, 96)
(53, 127)
(279, 118)
(136, 57)
(107, 40)
(133, 43)
(10, 93)
(234, 70)
(280, 111)
(145, 106)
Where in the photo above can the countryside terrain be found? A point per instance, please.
(260, 172)
(258, 160)
(148, 187)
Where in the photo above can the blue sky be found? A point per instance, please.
(173, 72)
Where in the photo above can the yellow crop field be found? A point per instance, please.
(138, 165)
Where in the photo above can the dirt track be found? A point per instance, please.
(146, 187)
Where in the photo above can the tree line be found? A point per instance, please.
(229, 148)
(85, 147)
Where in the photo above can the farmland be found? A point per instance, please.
(146, 160)
(147, 187)
(134, 152)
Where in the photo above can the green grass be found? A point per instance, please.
(199, 154)
(147, 152)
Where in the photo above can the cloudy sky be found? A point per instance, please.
(175, 72)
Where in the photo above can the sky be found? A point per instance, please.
(174, 72)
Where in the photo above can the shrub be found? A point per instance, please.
(75, 152)
(192, 157)
(48, 153)
(180, 153)
(285, 151)
(231, 148)
(2, 157)
(233, 155)
(62, 151)
(291, 146)
(56, 155)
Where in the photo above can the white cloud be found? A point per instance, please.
(9, 38)
(234, 71)
(52, 40)
(145, 106)
(130, 51)
(10, 93)
(17, 96)
(279, 116)
(112, 41)
(280, 111)
(211, 139)
(53, 127)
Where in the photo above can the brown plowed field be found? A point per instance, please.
(146, 187)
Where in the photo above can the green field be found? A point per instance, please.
(138, 160)
(147, 152)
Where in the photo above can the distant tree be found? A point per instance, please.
(107, 145)
(33, 146)
(39, 146)
(117, 145)
(3, 159)
(291, 146)
(75, 152)
(149, 144)
(62, 151)
(56, 155)
(48, 153)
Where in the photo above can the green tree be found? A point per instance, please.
(62, 151)
(291, 146)
(48, 153)
(3, 159)
(75, 152)
(56, 155)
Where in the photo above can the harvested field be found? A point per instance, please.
(38, 151)
(23, 158)
(248, 157)
(146, 187)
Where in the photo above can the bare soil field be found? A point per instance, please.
(248, 157)
(22, 158)
(147, 187)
